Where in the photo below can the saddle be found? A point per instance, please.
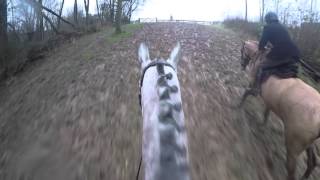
(283, 69)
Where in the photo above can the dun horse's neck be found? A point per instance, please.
(171, 161)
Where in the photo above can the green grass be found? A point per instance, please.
(127, 31)
(87, 55)
(222, 27)
(218, 26)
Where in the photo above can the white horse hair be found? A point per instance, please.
(164, 151)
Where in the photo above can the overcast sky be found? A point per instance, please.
(209, 10)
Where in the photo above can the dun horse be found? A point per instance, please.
(296, 103)
(164, 150)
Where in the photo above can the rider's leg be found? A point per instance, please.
(257, 82)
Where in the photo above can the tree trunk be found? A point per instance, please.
(86, 7)
(75, 12)
(262, 8)
(60, 13)
(118, 16)
(277, 6)
(16, 35)
(112, 9)
(3, 22)
(40, 27)
(3, 32)
(246, 16)
(98, 12)
(129, 13)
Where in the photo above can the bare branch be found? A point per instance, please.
(36, 4)
(60, 13)
(51, 24)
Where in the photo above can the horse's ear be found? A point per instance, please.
(143, 54)
(175, 55)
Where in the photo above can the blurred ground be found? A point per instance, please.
(75, 115)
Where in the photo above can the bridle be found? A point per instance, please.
(153, 63)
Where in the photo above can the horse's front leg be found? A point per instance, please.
(247, 93)
(311, 162)
(266, 115)
(291, 166)
(292, 147)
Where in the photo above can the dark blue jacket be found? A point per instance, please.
(283, 46)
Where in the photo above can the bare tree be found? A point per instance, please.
(107, 10)
(130, 7)
(51, 23)
(112, 10)
(40, 27)
(27, 19)
(3, 30)
(246, 15)
(98, 12)
(3, 21)
(86, 7)
(286, 14)
(118, 16)
(60, 13)
(276, 5)
(75, 12)
(37, 5)
(262, 8)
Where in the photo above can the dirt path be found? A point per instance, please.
(75, 115)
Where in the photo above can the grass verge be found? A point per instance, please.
(127, 31)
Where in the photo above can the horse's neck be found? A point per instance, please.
(164, 135)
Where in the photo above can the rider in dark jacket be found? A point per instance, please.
(282, 45)
(284, 55)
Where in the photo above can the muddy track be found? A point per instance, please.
(75, 115)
